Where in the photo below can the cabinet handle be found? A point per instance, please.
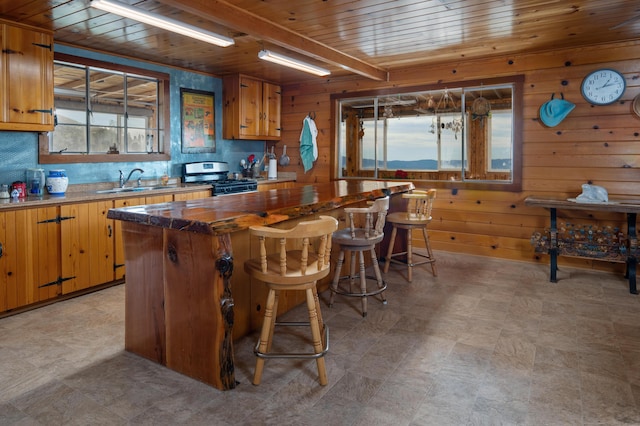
(44, 111)
(1, 250)
(59, 281)
(45, 46)
(11, 52)
(110, 230)
(57, 219)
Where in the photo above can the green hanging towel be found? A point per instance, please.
(308, 145)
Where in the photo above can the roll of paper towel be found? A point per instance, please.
(273, 169)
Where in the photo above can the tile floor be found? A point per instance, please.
(487, 342)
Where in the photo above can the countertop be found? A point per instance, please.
(220, 215)
(87, 192)
(616, 206)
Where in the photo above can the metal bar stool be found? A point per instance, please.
(416, 216)
(361, 234)
(293, 266)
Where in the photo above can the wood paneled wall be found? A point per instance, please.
(597, 144)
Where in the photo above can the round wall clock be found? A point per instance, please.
(603, 86)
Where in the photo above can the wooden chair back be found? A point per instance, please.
(295, 256)
(419, 204)
(371, 220)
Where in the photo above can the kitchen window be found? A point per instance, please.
(464, 135)
(106, 113)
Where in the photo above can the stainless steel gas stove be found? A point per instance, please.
(217, 174)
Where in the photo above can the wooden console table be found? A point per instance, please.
(630, 208)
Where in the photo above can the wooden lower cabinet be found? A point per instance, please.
(53, 251)
(87, 245)
(29, 264)
(157, 199)
(276, 185)
(119, 246)
(185, 196)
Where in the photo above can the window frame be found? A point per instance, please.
(515, 185)
(47, 157)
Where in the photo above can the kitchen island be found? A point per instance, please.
(180, 310)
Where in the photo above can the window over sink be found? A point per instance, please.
(106, 112)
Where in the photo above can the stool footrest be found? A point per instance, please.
(356, 278)
(306, 355)
(402, 262)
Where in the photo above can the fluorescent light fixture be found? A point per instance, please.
(267, 55)
(156, 20)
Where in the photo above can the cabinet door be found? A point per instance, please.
(87, 245)
(272, 101)
(184, 196)
(250, 107)
(30, 260)
(27, 68)
(157, 199)
(117, 226)
(277, 185)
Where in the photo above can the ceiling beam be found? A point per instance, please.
(241, 20)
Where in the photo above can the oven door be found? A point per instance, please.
(234, 187)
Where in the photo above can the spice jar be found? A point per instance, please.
(4, 191)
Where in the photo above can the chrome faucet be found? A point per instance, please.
(124, 181)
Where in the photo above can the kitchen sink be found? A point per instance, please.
(133, 189)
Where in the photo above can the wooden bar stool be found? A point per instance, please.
(294, 265)
(361, 234)
(416, 216)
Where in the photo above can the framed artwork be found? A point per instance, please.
(197, 116)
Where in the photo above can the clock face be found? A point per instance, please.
(603, 87)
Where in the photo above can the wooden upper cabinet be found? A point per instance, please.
(26, 78)
(272, 104)
(251, 108)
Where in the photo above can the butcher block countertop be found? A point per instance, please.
(221, 215)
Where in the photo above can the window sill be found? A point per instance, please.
(100, 158)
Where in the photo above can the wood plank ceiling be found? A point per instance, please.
(371, 38)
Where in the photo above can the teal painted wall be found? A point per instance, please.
(19, 150)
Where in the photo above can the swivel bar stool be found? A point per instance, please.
(364, 230)
(416, 216)
(294, 265)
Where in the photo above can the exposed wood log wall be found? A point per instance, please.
(597, 144)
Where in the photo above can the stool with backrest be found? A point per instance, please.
(293, 265)
(364, 230)
(416, 216)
